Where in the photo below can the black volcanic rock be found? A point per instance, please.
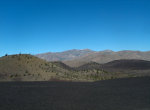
(118, 94)
(128, 64)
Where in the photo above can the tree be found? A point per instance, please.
(6, 54)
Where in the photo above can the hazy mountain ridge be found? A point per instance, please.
(76, 57)
(65, 55)
(105, 56)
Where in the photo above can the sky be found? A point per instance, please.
(39, 26)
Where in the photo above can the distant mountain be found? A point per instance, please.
(75, 58)
(107, 56)
(66, 55)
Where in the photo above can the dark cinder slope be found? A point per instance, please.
(124, 64)
(118, 94)
(128, 64)
(130, 68)
(89, 66)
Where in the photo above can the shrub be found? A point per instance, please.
(26, 71)
(11, 76)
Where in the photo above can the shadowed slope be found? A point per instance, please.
(62, 65)
(129, 64)
(89, 66)
(130, 68)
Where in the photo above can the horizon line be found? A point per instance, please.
(109, 50)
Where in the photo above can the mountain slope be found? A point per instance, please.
(107, 56)
(27, 67)
(128, 64)
(89, 66)
(66, 55)
(130, 67)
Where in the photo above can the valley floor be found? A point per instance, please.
(117, 94)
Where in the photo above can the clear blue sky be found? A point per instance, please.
(37, 26)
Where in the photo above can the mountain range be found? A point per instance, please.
(25, 67)
(76, 58)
